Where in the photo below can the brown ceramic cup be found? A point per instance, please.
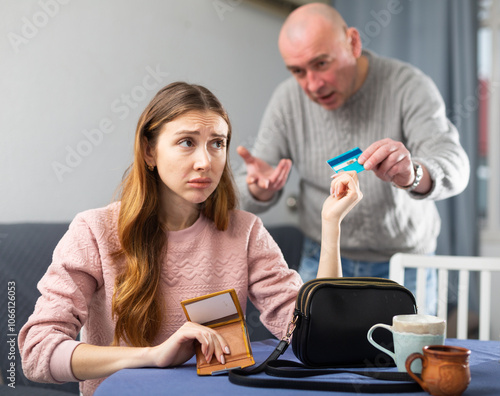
(445, 369)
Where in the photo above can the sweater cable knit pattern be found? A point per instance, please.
(78, 286)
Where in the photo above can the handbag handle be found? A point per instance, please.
(290, 369)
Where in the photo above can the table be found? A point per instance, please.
(484, 366)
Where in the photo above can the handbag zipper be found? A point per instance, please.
(309, 287)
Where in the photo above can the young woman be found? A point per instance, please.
(120, 272)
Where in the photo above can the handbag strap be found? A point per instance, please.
(290, 369)
(278, 351)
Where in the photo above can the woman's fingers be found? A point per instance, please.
(344, 182)
(207, 347)
(212, 343)
(344, 195)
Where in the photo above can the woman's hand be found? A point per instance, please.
(344, 195)
(91, 361)
(180, 346)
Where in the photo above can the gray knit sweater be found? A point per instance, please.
(396, 101)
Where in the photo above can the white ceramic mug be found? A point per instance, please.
(410, 334)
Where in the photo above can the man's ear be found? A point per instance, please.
(149, 154)
(354, 40)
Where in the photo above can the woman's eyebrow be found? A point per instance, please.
(187, 131)
(221, 135)
(196, 132)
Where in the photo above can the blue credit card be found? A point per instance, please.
(347, 161)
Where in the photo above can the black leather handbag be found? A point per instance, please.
(331, 319)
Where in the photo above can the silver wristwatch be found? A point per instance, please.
(419, 173)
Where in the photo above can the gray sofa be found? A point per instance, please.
(25, 253)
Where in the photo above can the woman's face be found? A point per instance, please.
(190, 156)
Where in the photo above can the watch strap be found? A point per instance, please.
(419, 173)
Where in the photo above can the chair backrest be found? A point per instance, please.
(464, 265)
(290, 239)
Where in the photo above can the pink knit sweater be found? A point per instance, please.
(78, 286)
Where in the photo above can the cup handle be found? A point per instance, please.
(408, 363)
(369, 335)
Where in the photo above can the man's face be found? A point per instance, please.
(323, 65)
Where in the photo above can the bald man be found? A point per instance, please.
(340, 97)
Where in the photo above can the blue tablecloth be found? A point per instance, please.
(484, 366)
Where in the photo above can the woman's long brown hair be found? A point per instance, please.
(137, 303)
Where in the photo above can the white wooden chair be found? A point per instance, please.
(484, 265)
